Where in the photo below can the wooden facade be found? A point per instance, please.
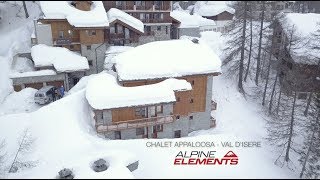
(187, 101)
(91, 36)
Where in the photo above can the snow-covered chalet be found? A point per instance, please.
(161, 89)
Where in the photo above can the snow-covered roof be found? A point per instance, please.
(188, 20)
(116, 14)
(104, 92)
(163, 59)
(117, 49)
(96, 17)
(302, 52)
(207, 8)
(62, 59)
(46, 72)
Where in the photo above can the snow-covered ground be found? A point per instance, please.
(64, 137)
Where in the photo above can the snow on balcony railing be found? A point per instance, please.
(135, 123)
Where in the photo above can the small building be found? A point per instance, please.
(48, 65)
(220, 12)
(166, 95)
(298, 61)
(191, 25)
(155, 16)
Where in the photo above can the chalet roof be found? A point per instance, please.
(164, 59)
(207, 8)
(301, 28)
(190, 21)
(96, 17)
(116, 14)
(104, 92)
(62, 59)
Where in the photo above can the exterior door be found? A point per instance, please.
(177, 134)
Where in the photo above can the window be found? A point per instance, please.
(178, 99)
(192, 82)
(112, 30)
(70, 32)
(156, 15)
(160, 109)
(71, 46)
(61, 34)
(166, 29)
(177, 134)
(141, 112)
(158, 128)
(142, 16)
(191, 100)
(91, 32)
(139, 131)
(190, 117)
(178, 117)
(101, 114)
(90, 62)
(158, 28)
(138, 3)
(89, 47)
(117, 134)
(153, 111)
(161, 16)
(119, 28)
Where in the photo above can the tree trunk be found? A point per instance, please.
(259, 48)
(267, 81)
(250, 49)
(240, 83)
(291, 128)
(278, 103)
(308, 104)
(25, 9)
(272, 93)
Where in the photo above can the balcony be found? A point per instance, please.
(65, 41)
(124, 7)
(154, 21)
(142, 7)
(161, 8)
(137, 123)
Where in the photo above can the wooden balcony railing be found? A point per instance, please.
(125, 7)
(155, 21)
(162, 8)
(137, 123)
(142, 7)
(65, 41)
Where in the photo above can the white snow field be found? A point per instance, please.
(65, 138)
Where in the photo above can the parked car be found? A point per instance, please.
(45, 95)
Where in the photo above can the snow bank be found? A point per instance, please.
(23, 102)
(104, 92)
(160, 59)
(62, 59)
(295, 23)
(96, 17)
(22, 64)
(188, 20)
(211, 8)
(116, 14)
